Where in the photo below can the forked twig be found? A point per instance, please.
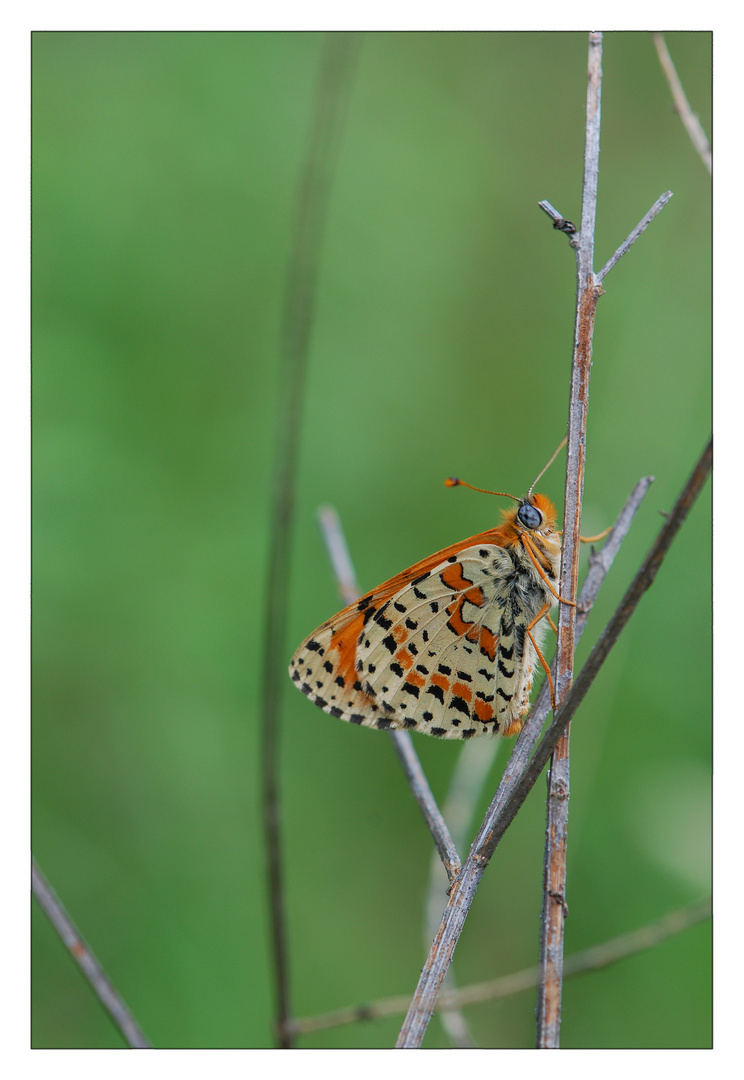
(599, 566)
(346, 580)
(591, 959)
(588, 292)
(560, 223)
(84, 957)
(472, 768)
(464, 888)
(516, 783)
(497, 823)
(332, 93)
(631, 238)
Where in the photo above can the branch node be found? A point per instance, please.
(560, 223)
(560, 899)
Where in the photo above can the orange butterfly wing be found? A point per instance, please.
(440, 648)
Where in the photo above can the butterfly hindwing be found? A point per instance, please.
(439, 649)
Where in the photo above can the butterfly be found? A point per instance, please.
(448, 647)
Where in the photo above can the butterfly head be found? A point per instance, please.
(534, 515)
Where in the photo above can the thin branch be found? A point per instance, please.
(633, 236)
(346, 580)
(497, 823)
(599, 566)
(332, 94)
(556, 833)
(592, 959)
(338, 552)
(513, 789)
(692, 125)
(472, 768)
(84, 957)
(419, 785)
(560, 223)
(463, 889)
(445, 857)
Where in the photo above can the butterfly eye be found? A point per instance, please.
(529, 516)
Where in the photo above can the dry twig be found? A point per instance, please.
(472, 768)
(504, 813)
(332, 93)
(587, 295)
(84, 957)
(522, 771)
(346, 581)
(692, 125)
(591, 959)
(494, 824)
(515, 785)
(589, 289)
(642, 225)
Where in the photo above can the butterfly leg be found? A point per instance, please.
(592, 539)
(543, 613)
(527, 545)
(599, 536)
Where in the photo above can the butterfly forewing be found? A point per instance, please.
(441, 649)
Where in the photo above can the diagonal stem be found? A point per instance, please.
(593, 958)
(419, 785)
(516, 784)
(84, 957)
(693, 127)
(465, 886)
(497, 824)
(402, 743)
(631, 238)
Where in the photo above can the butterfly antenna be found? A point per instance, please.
(453, 481)
(545, 468)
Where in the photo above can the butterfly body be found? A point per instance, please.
(447, 647)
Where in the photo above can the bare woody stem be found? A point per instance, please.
(642, 225)
(588, 292)
(692, 125)
(464, 888)
(332, 92)
(516, 784)
(522, 771)
(496, 825)
(86, 961)
(403, 744)
(592, 959)
(422, 793)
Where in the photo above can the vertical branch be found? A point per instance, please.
(522, 769)
(587, 294)
(332, 93)
(511, 791)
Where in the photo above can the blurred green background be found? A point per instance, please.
(165, 171)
